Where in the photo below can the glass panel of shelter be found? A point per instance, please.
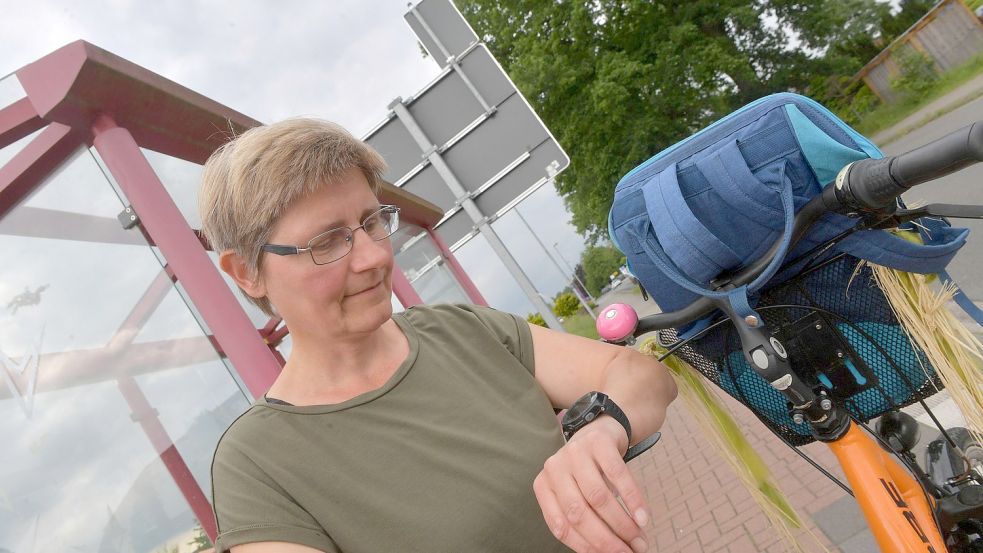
(422, 262)
(104, 370)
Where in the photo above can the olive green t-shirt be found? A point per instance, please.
(440, 458)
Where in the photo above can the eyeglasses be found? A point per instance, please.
(332, 245)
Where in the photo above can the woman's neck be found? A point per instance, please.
(332, 370)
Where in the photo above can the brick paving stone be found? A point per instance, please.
(700, 503)
(708, 533)
(724, 512)
(742, 544)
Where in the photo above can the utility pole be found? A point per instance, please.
(583, 301)
(572, 271)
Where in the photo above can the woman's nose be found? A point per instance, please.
(368, 253)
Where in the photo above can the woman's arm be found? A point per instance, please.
(273, 547)
(578, 486)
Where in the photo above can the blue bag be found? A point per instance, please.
(717, 201)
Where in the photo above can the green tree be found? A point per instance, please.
(599, 263)
(619, 80)
(199, 541)
(566, 304)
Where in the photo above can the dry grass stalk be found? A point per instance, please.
(726, 437)
(954, 352)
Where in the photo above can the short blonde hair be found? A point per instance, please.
(248, 182)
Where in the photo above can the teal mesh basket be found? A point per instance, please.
(842, 337)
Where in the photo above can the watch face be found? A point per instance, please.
(583, 411)
(582, 406)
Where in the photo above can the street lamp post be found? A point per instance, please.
(583, 302)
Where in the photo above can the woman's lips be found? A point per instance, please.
(366, 291)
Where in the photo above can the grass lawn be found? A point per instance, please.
(581, 324)
(887, 115)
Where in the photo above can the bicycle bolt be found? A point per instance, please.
(798, 418)
(819, 327)
(839, 354)
(826, 404)
(751, 320)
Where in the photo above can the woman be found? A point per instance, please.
(428, 430)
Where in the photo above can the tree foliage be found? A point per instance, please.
(600, 262)
(619, 80)
(566, 305)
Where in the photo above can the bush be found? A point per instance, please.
(536, 319)
(566, 305)
(917, 73)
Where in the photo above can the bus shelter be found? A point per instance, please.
(124, 351)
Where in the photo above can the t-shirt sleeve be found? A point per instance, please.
(250, 507)
(512, 330)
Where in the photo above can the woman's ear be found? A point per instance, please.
(248, 280)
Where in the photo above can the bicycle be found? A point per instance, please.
(909, 508)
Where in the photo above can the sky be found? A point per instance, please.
(343, 60)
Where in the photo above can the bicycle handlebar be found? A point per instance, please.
(865, 186)
(872, 184)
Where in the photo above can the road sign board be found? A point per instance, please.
(482, 126)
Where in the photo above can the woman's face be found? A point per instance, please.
(350, 296)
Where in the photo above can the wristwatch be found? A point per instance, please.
(594, 404)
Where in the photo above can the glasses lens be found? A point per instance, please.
(331, 245)
(382, 223)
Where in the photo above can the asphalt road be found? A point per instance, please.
(964, 187)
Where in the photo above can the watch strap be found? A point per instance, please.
(640, 447)
(611, 408)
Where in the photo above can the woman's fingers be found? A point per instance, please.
(616, 472)
(581, 516)
(599, 489)
(580, 487)
(555, 518)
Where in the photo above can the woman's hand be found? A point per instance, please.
(579, 487)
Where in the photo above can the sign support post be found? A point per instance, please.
(463, 197)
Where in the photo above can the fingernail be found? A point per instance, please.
(641, 517)
(638, 545)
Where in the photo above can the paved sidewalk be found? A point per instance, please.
(968, 91)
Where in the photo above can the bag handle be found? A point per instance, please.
(689, 244)
(671, 218)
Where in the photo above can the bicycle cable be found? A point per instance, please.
(681, 343)
(907, 464)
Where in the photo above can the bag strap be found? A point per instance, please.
(670, 217)
(688, 243)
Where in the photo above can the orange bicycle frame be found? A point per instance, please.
(893, 502)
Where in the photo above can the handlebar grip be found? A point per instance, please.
(941, 157)
(875, 183)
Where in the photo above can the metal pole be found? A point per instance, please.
(555, 264)
(572, 271)
(480, 221)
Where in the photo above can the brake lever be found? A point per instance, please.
(901, 216)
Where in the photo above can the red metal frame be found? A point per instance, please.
(403, 290)
(35, 162)
(161, 218)
(17, 121)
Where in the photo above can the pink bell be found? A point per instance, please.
(617, 322)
